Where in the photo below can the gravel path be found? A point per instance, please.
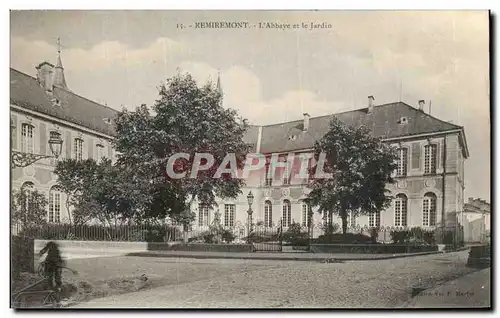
(261, 284)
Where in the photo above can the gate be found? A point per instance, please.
(267, 239)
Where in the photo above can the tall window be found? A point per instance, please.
(400, 210)
(374, 219)
(27, 138)
(430, 158)
(99, 151)
(402, 161)
(55, 205)
(287, 213)
(28, 188)
(268, 214)
(203, 215)
(286, 174)
(269, 179)
(326, 219)
(229, 214)
(78, 149)
(306, 214)
(351, 220)
(429, 210)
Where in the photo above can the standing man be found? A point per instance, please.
(53, 265)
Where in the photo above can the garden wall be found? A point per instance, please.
(371, 248)
(22, 255)
(111, 248)
(201, 247)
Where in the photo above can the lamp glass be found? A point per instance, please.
(55, 143)
(250, 198)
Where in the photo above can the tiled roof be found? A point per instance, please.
(26, 92)
(384, 121)
(251, 137)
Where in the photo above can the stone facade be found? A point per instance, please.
(46, 105)
(414, 186)
(40, 174)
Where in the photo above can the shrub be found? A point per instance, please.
(415, 236)
(208, 237)
(429, 237)
(228, 236)
(400, 237)
(262, 237)
(295, 235)
(374, 234)
(330, 228)
(347, 238)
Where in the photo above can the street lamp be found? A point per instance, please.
(250, 201)
(23, 159)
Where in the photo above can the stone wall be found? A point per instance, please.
(22, 255)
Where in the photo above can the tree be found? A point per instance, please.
(188, 119)
(94, 190)
(29, 208)
(361, 166)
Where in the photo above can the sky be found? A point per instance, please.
(273, 75)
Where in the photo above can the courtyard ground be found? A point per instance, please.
(237, 283)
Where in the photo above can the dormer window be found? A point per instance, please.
(292, 137)
(107, 120)
(403, 121)
(56, 102)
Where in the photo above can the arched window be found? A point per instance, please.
(268, 214)
(27, 138)
(351, 220)
(55, 204)
(326, 219)
(429, 209)
(203, 215)
(374, 219)
(287, 213)
(229, 214)
(306, 214)
(28, 188)
(400, 210)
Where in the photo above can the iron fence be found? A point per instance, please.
(267, 237)
(130, 233)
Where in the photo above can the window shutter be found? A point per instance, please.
(415, 155)
(110, 152)
(90, 148)
(68, 145)
(43, 138)
(438, 154)
(14, 131)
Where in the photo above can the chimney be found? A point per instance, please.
(421, 104)
(44, 74)
(471, 199)
(306, 122)
(370, 103)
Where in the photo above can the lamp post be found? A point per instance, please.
(250, 201)
(24, 159)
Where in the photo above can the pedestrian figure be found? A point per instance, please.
(53, 265)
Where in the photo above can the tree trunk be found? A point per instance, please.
(67, 209)
(344, 222)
